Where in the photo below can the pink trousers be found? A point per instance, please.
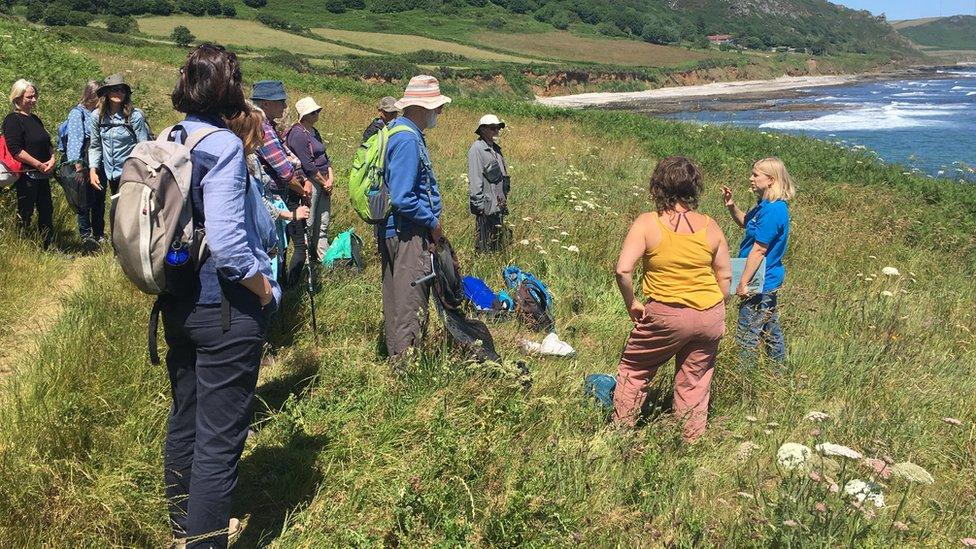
(667, 331)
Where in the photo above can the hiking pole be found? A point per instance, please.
(423, 279)
(311, 283)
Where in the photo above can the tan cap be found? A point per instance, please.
(388, 104)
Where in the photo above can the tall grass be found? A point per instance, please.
(348, 454)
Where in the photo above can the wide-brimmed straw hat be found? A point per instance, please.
(306, 106)
(423, 91)
(489, 120)
(111, 82)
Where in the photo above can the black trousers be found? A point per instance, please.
(36, 194)
(489, 233)
(213, 375)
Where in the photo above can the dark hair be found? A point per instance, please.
(210, 83)
(676, 179)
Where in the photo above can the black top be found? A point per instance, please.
(25, 132)
(376, 125)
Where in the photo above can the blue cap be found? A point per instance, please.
(269, 90)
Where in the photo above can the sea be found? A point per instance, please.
(928, 124)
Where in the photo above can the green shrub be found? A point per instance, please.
(432, 57)
(291, 60)
(335, 6)
(256, 3)
(182, 36)
(279, 23)
(120, 25)
(387, 68)
(228, 10)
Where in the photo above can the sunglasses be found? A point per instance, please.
(493, 126)
(117, 89)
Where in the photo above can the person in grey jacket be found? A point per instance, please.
(488, 185)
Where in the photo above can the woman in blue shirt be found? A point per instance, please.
(767, 228)
(90, 228)
(215, 334)
(116, 127)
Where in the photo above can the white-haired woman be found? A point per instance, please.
(30, 143)
(767, 227)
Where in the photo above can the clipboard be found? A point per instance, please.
(755, 286)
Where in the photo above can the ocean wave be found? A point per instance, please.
(958, 88)
(914, 94)
(971, 93)
(870, 118)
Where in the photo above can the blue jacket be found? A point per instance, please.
(112, 141)
(79, 129)
(414, 193)
(229, 207)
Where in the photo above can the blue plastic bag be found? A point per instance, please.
(600, 387)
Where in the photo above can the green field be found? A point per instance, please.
(405, 43)
(570, 47)
(946, 33)
(242, 32)
(347, 454)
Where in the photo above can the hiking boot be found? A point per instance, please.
(234, 529)
(89, 245)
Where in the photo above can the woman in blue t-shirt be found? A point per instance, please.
(767, 228)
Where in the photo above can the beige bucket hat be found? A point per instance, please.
(423, 91)
(306, 106)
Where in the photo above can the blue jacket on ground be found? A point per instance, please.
(769, 224)
(414, 193)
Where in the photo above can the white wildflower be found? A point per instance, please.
(890, 271)
(564, 233)
(887, 293)
(745, 451)
(791, 455)
(911, 472)
(952, 421)
(865, 491)
(816, 416)
(829, 449)
(524, 242)
(752, 419)
(573, 249)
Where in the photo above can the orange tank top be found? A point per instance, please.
(679, 270)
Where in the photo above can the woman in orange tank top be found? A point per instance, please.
(686, 277)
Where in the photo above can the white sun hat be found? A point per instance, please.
(489, 120)
(305, 106)
(423, 91)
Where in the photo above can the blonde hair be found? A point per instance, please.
(19, 89)
(89, 93)
(249, 126)
(782, 187)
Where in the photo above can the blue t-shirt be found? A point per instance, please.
(769, 224)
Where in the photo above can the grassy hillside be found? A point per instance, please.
(347, 454)
(947, 33)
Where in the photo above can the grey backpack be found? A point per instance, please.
(152, 217)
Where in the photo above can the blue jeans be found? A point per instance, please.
(759, 322)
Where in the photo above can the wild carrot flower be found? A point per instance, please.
(752, 419)
(745, 451)
(573, 249)
(816, 416)
(524, 242)
(911, 472)
(790, 523)
(887, 293)
(865, 491)
(820, 507)
(900, 526)
(791, 455)
(829, 449)
(968, 542)
(952, 421)
(890, 271)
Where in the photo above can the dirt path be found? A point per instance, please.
(46, 311)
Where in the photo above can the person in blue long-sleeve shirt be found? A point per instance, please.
(414, 223)
(76, 152)
(215, 334)
(116, 127)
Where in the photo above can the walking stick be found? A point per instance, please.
(311, 283)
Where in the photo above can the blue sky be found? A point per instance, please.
(912, 9)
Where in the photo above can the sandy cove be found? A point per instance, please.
(683, 93)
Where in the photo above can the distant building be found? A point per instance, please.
(721, 39)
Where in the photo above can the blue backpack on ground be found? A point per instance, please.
(600, 387)
(533, 302)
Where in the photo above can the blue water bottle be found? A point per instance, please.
(178, 254)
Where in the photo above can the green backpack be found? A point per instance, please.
(368, 192)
